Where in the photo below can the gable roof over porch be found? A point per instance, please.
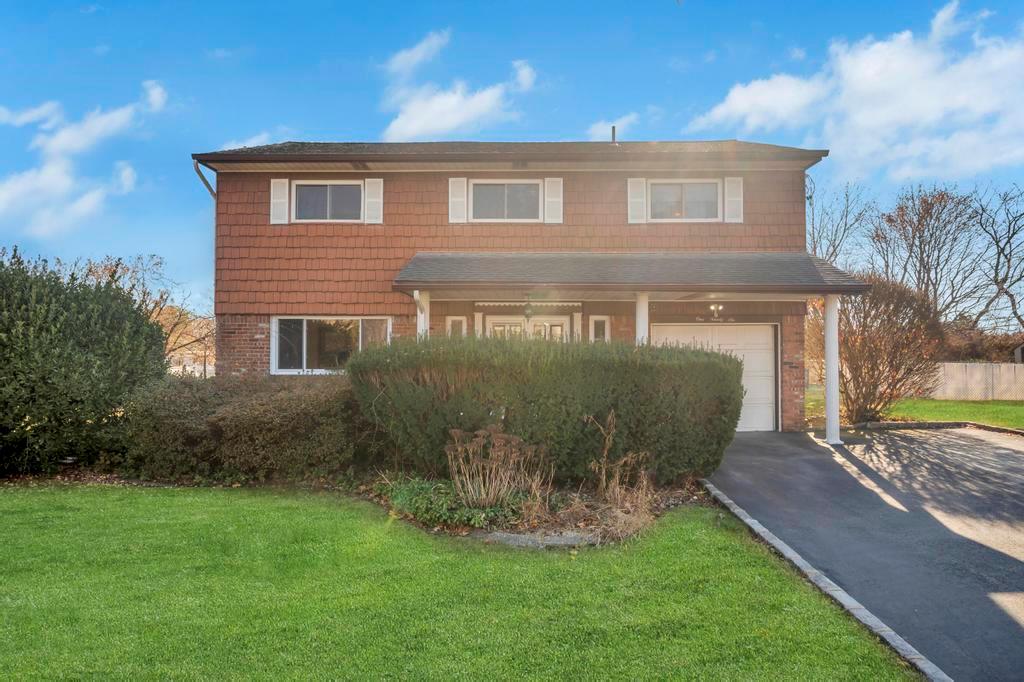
(718, 271)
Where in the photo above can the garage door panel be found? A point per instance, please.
(747, 336)
(756, 417)
(754, 345)
(759, 390)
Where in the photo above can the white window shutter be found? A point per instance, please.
(373, 200)
(734, 200)
(636, 188)
(278, 201)
(552, 200)
(456, 200)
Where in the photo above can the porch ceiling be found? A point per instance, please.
(598, 276)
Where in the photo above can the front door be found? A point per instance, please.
(550, 327)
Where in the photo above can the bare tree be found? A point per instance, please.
(1000, 219)
(144, 279)
(889, 339)
(930, 241)
(837, 221)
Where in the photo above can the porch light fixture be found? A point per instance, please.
(528, 309)
(715, 309)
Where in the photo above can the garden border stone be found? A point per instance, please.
(559, 540)
(831, 590)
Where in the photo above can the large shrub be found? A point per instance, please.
(679, 405)
(889, 342)
(242, 430)
(70, 351)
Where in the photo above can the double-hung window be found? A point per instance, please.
(684, 200)
(497, 201)
(308, 345)
(327, 201)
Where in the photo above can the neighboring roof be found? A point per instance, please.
(480, 151)
(723, 271)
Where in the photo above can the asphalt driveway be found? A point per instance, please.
(925, 528)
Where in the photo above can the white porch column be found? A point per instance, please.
(478, 324)
(577, 326)
(422, 299)
(832, 370)
(642, 317)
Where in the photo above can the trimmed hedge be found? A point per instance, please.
(230, 430)
(680, 405)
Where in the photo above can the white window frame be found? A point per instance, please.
(362, 200)
(451, 318)
(489, 181)
(273, 340)
(686, 181)
(607, 327)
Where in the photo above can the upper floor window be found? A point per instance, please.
(496, 201)
(322, 345)
(327, 200)
(683, 200)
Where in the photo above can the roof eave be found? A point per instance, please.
(847, 289)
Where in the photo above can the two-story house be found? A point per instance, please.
(325, 248)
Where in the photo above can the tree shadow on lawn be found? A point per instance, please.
(871, 531)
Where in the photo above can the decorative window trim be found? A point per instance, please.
(607, 319)
(686, 181)
(451, 318)
(274, 332)
(362, 202)
(491, 181)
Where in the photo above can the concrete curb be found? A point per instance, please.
(883, 426)
(838, 594)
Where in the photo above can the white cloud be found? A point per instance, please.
(260, 138)
(945, 105)
(124, 177)
(710, 56)
(219, 53)
(601, 131)
(156, 96)
(525, 75)
(797, 54)
(75, 138)
(51, 197)
(429, 111)
(47, 115)
(780, 101)
(404, 62)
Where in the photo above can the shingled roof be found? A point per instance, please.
(477, 151)
(721, 271)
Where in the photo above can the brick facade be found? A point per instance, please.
(243, 344)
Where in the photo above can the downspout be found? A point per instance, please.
(206, 183)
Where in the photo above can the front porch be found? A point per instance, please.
(752, 305)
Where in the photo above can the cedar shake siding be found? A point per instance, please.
(348, 268)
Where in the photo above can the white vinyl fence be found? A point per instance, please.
(980, 381)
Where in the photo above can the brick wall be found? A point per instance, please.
(243, 344)
(347, 269)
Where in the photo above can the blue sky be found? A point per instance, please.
(101, 104)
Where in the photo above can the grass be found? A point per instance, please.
(104, 581)
(1009, 413)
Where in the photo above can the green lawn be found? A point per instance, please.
(99, 581)
(1008, 413)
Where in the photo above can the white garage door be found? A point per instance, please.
(754, 344)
